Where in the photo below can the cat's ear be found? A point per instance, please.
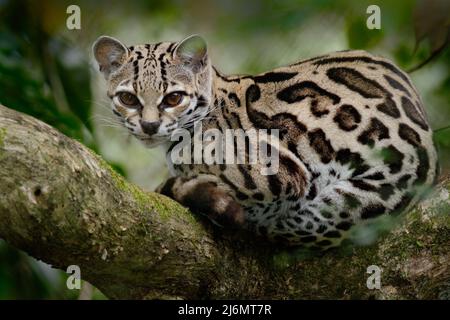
(109, 53)
(192, 52)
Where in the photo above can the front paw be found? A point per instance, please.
(218, 205)
(167, 187)
(226, 212)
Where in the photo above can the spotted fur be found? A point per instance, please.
(354, 139)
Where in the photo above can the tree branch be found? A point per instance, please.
(63, 204)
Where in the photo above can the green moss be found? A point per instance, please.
(417, 235)
(282, 260)
(166, 208)
(2, 136)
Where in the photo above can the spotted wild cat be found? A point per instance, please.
(354, 142)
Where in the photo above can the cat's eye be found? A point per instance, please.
(129, 99)
(172, 99)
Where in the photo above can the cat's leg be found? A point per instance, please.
(204, 195)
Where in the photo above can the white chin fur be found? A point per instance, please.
(151, 143)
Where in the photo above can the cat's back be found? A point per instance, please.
(349, 104)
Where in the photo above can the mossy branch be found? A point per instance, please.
(63, 204)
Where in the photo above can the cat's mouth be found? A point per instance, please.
(153, 141)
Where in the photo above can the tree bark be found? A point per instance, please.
(63, 204)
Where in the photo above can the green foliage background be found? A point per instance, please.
(47, 71)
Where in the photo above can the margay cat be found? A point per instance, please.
(354, 139)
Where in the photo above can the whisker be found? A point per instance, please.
(104, 119)
(198, 117)
(105, 105)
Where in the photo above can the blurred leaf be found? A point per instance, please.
(359, 36)
(432, 23)
(405, 57)
(75, 79)
(432, 20)
(44, 75)
(17, 277)
(22, 88)
(119, 168)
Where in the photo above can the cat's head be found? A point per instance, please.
(156, 88)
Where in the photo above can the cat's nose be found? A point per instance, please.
(150, 127)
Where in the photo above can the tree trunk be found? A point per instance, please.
(63, 204)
